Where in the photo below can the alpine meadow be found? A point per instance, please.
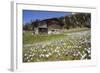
(56, 36)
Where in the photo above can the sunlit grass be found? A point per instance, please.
(69, 45)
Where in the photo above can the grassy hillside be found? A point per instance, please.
(28, 38)
(73, 44)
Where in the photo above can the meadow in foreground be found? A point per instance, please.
(66, 46)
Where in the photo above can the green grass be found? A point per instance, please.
(76, 30)
(73, 44)
(28, 38)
